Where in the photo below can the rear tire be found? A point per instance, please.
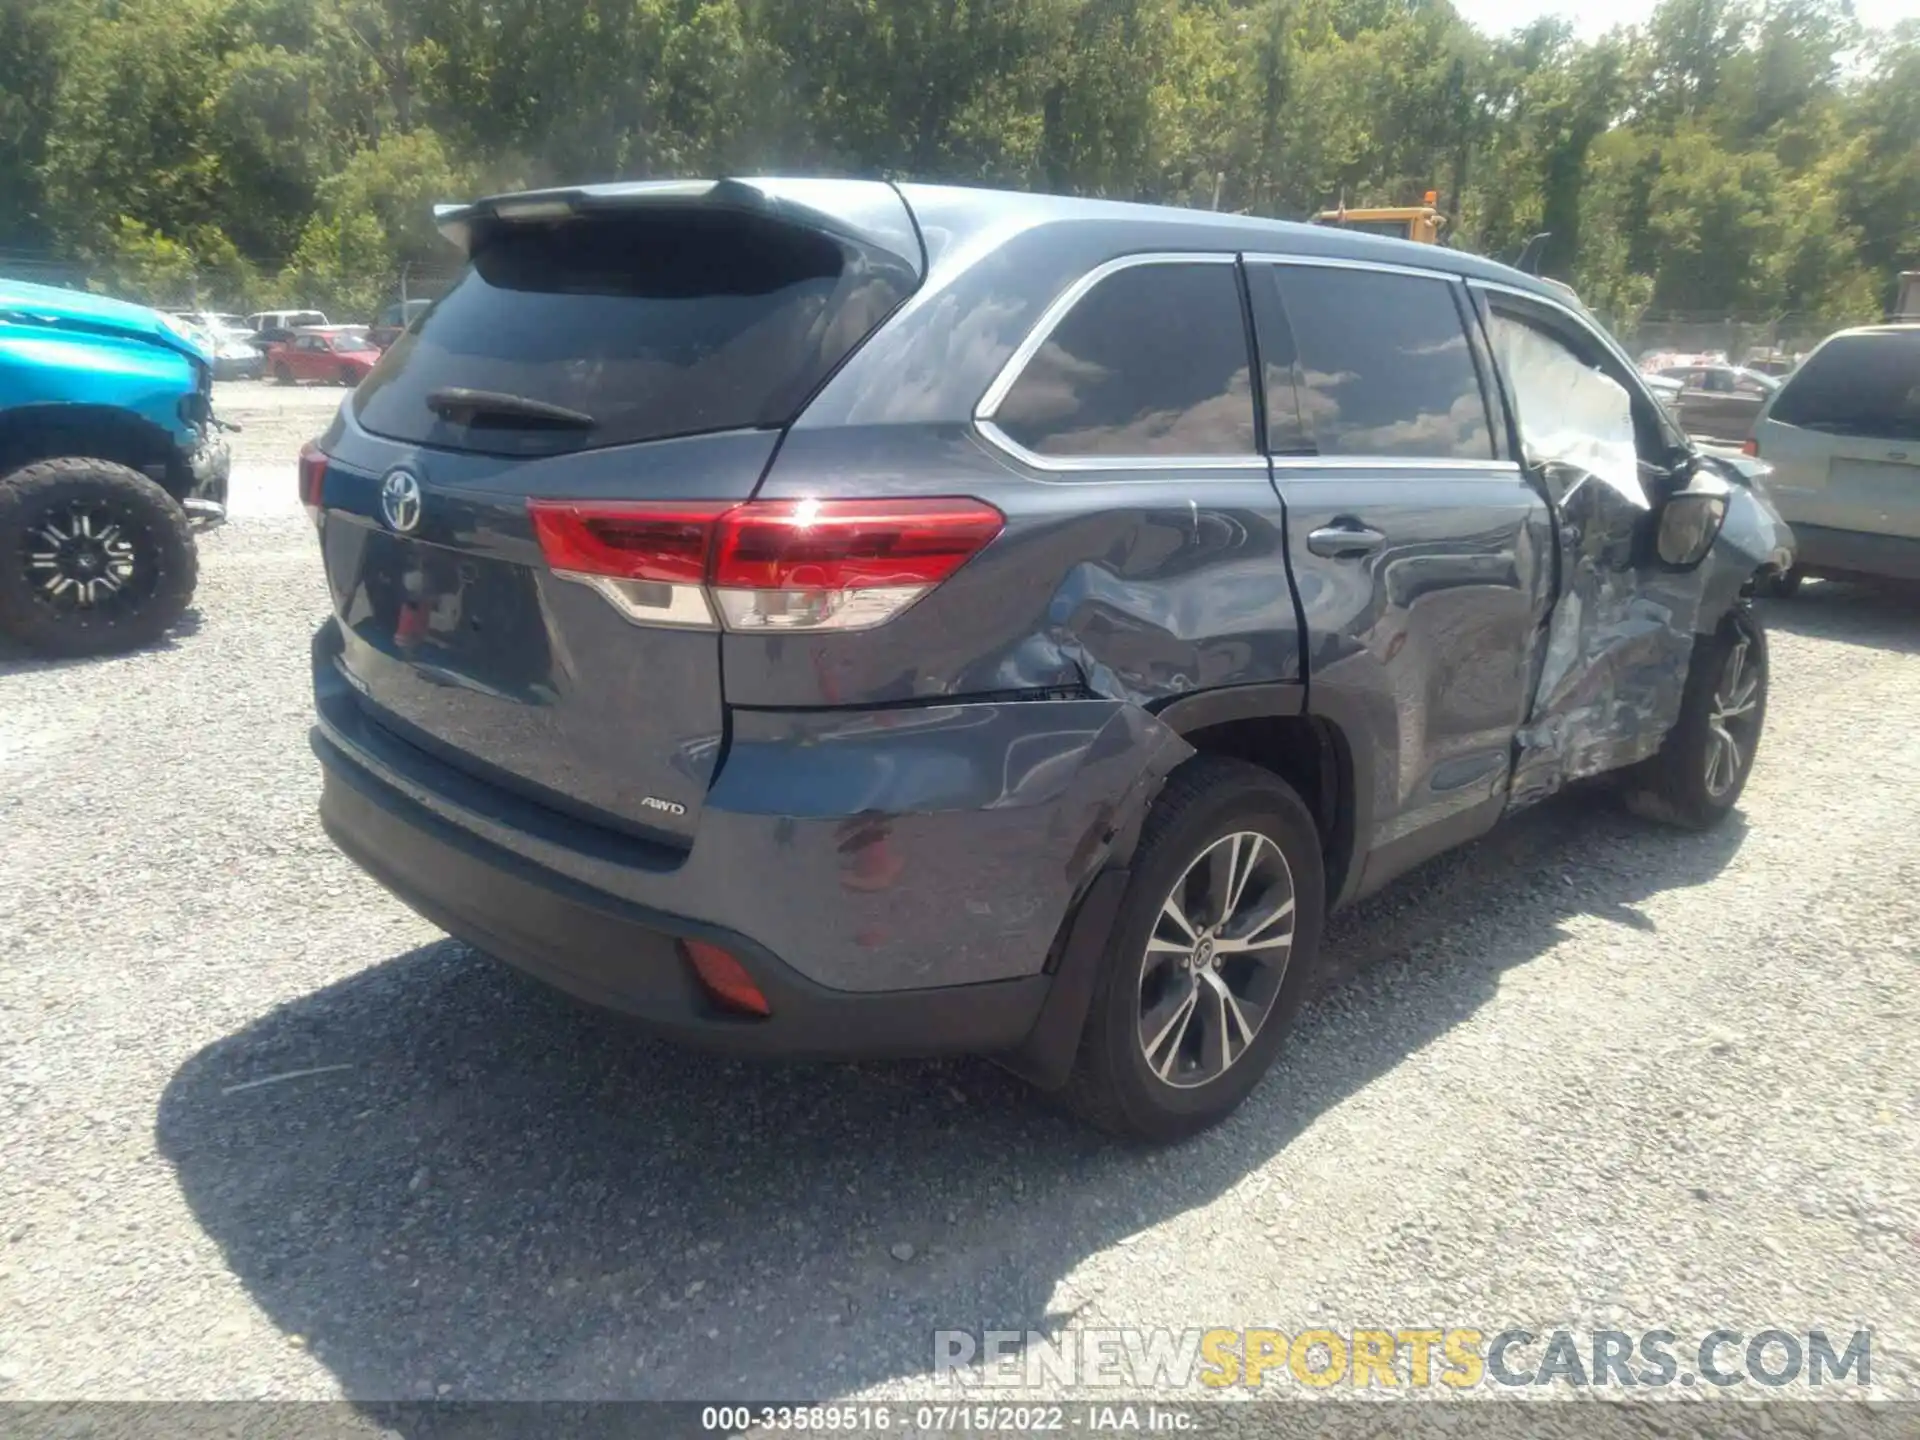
(347, 377)
(94, 558)
(1222, 831)
(282, 375)
(1696, 779)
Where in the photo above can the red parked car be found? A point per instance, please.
(338, 355)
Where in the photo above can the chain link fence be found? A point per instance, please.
(1781, 338)
(1739, 340)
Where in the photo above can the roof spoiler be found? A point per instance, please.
(869, 213)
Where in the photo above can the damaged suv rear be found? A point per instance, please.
(826, 618)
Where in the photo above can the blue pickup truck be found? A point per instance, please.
(108, 448)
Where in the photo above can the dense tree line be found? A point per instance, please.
(1746, 157)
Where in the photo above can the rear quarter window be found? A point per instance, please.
(1857, 385)
(653, 324)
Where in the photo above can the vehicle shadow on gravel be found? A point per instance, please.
(1885, 616)
(501, 1194)
(17, 659)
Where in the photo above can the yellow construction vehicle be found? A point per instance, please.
(1419, 223)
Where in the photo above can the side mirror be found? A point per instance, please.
(1690, 521)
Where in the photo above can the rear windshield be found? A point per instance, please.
(1857, 385)
(644, 326)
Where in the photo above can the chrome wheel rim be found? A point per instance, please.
(84, 561)
(1733, 720)
(1216, 959)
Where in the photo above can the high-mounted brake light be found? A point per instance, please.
(763, 565)
(313, 479)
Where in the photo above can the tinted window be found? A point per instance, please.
(1279, 365)
(1384, 367)
(1857, 385)
(1151, 361)
(652, 325)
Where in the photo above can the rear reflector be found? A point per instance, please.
(725, 978)
(767, 565)
(313, 478)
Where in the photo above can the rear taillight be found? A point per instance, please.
(313, 479)
(1751, 447)
(764, 565)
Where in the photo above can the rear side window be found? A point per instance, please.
(1382, 366)
(1153, 360)
(642, 326)
(1857, 385)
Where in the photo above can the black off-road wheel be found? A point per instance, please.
(94, 558)
(1211, 954)
(1696, 778)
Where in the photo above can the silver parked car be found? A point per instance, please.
(1842, 437)
(1719, 402)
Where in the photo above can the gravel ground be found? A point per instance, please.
(1586, 1074)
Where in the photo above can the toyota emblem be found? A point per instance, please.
(400, 500)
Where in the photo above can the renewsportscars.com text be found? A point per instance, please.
(1454, 1358)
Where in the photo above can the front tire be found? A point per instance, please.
(282, 375)
(94, 558)
(1214, 944)
(1696, 779)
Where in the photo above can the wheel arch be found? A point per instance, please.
(1268, 726)
(96, 432)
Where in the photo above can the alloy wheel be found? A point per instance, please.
(1732, 719)
(1215, 960)
(84, 559)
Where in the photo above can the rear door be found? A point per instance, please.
(648, 353)
(1421, 554)
(309, 358)
(1843, 436)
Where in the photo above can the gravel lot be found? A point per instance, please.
(1586, 1074)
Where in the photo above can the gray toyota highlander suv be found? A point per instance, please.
(829, 618)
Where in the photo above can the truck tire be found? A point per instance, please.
(94, 558)
(1211, 954)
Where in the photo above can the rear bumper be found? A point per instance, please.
(895, 884)
(624, 957)
(1822, 551)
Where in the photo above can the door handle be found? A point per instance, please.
(1344, 541)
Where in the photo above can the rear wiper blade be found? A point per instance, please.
(480, 407)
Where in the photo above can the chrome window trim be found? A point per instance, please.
(1392, 462)
(1068, 464)
(1042, 331)
(1335, 262)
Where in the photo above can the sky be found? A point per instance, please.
(1598, 16)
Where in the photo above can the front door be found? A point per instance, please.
(1421, 555)
(1621, 630)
